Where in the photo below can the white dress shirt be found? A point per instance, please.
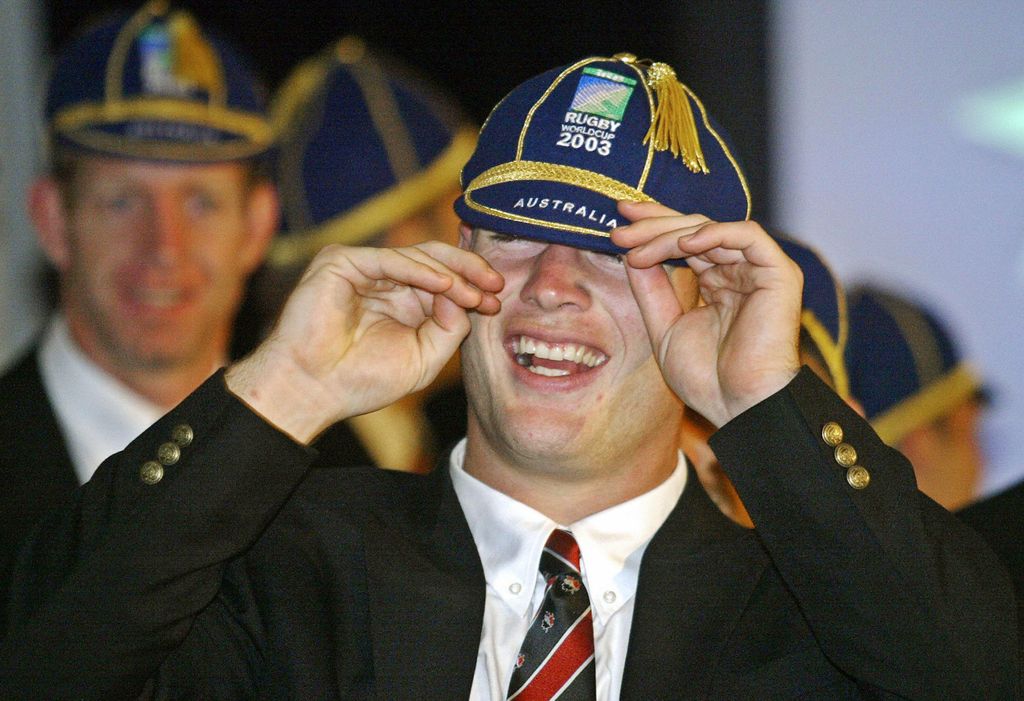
(98, 415)
(510, 536)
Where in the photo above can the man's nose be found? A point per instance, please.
(169, 233)
(557, 279)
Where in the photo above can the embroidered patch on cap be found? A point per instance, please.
(603, 93)
(176, 60)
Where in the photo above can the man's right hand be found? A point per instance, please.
(363, 328)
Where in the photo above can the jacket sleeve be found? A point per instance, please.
(105, 591)
(900, 595)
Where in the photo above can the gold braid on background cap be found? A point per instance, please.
(672, 125)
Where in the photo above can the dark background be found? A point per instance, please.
(479, 50)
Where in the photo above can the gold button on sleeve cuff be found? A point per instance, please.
(151, 472)
(846, 455)
(858, 477)
(182, 435)
(832, 433)
(168, 453)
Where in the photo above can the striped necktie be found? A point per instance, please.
(556, 660)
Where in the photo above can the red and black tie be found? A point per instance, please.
(556, 660)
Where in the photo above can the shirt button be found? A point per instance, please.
(515, 588)
(609, 597)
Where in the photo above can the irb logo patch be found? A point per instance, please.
(603, 93)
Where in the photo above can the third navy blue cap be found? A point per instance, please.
(559, 151)
(905, 367)
(154, 85)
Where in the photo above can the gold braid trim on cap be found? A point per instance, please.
(380, 211)
(831, 350)
(934, 401)
(472, 204)
(251, 126)
(672, 125)
(515, 171)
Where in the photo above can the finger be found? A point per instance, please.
(441, 335)
(730, 242)
(657, 299)
(469, 272)
(461, 291)
(723, 243)
(649, 220)
(366, 268)
(661, 248)
(470, 265)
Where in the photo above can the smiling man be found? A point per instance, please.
(153, 214)
(564, 549)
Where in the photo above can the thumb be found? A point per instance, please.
(656, 297)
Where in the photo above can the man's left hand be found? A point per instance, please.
(738, 347)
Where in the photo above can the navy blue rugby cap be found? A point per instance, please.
(905, 366)
(558, 152)
(362, 143)
(154, 85)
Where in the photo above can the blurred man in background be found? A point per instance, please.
(155, 210)
(917, 391)
(368, 153)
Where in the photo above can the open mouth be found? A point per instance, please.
(158, 298)
(555, 359)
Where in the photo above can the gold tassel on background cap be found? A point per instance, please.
(195, 60)
(672, 125)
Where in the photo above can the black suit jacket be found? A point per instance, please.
(1000, 521)
(241, 576)
(36, 472)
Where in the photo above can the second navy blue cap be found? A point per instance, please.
(824, 315)
(560, 150)
(154, 85)
(362, 143)
(905, 367)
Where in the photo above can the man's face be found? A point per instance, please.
(153, 257)
(565, 371)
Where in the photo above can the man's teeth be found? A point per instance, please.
(547, 372)
(523, 347)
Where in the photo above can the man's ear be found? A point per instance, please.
(465, 236)
(263, 213)
(48, 210)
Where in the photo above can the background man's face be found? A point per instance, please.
(602, 397)
(154, 258)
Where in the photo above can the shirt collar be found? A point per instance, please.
(510, 536)
(99, 415)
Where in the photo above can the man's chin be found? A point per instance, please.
(151, 357)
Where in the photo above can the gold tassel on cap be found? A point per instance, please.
(672, 126)
(195, 60)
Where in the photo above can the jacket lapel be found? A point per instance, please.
(695, 579)
(426, 597)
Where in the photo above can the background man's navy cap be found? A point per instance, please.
(905, 367)
(153, 85)
(362, 143)
(560, 150)
(824, 314)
